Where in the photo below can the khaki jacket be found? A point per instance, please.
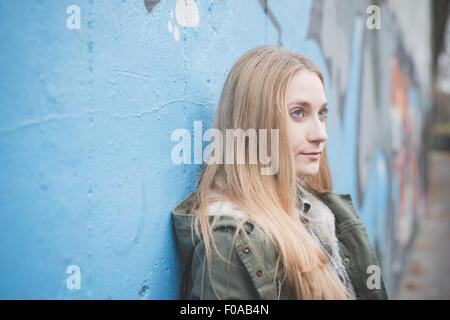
(246, 278)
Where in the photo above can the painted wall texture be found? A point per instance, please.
(92, 90)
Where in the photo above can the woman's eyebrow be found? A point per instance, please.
(305, 103)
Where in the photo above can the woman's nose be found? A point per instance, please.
(317, 131)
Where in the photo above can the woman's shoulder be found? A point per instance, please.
(341, 204)
(225, 215)
(224, 207)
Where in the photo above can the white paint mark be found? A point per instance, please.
(176, 33)
(186, 12)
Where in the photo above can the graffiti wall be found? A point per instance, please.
(92, 91)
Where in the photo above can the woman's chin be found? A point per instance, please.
(308, 170)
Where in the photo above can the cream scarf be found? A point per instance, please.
(322, 228)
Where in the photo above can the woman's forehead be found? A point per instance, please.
(307, 87)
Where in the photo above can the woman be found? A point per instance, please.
(247, 235)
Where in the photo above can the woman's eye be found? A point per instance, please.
(323, 113)
(298, 114)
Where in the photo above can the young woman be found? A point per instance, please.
(243, 234)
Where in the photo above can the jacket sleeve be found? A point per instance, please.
(226, 278)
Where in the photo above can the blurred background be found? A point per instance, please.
(92, 90)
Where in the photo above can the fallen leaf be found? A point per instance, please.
(416, 268)
(412, 285)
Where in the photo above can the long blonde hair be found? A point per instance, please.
(253, 96)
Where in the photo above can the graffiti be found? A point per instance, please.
(272, 19)
(150, 4)
(377, 126)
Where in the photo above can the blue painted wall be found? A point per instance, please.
(86, 175)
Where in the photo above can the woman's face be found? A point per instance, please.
(307, 109)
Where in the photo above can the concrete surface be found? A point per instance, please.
(426, 275)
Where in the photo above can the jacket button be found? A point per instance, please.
(246, 249)
(346, 260)
(259, 273)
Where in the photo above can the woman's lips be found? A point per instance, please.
(312, 155)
